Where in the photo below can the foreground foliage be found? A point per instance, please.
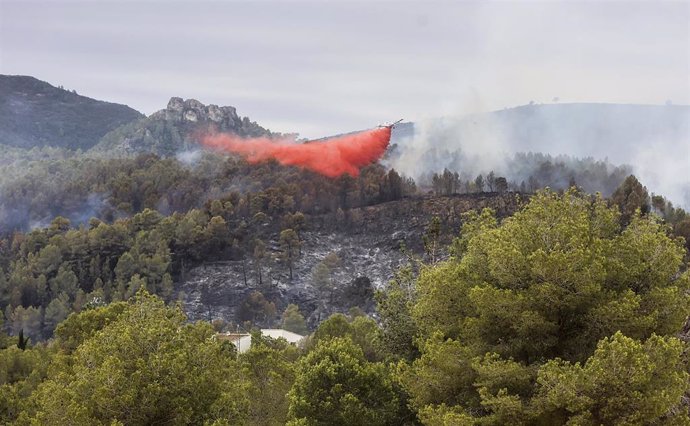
(146, 366)
(561, 314)
(515, 328)
(337, 386)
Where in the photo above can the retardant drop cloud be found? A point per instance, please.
(332, 157)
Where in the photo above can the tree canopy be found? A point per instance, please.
(526, 298)
(564, 313)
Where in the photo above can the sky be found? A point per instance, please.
(327, 67)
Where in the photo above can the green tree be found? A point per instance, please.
(479, 183)
(501, 184)
(22, 342)
(146, 220)
(549, 282)
(332, 260)
(631, 196)
(394, 185)
(624, 382)
(135, 283)
(270, 371)
(58, 225)
(5, 290)
(345, 184)
(65, 282)
(442, 375)
(256, 309)
(77, 328)
(56, 311)
(148, 366)
(21, 371)
(216, 208)
(126, 267)
(293, 320)
(556, 278)
(335, 385)
(49, 259)
(362, 330)
(218, 234)
(398, 327)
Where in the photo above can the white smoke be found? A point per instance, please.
(665, 170)
(653, 140)
(470, 145)
(189, 157)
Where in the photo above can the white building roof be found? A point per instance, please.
(277, 333)
(243, 341)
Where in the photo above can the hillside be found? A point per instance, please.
(367, 242)
(232, 246)
(34, 113)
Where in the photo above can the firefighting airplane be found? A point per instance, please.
(392, 124)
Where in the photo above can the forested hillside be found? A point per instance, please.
(54, 270)
(108, 181)
(569, 311)
(459, 298)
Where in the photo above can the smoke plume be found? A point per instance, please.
(594, 145)
(330, 157)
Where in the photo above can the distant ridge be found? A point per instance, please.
(34, 113)
(580, 129)
(653, 139)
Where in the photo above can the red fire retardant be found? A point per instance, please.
(332, 157)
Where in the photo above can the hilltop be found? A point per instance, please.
(34, 113)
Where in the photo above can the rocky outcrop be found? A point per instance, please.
(176, 128)
(193, 111)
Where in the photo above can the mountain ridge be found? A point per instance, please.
(34, 113)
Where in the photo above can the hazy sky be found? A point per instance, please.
(321, 68)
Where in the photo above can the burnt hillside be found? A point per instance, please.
(367, 242)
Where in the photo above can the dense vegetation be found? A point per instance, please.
(49, 272)
(79, 188)
(570, 311)
(515, 326)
